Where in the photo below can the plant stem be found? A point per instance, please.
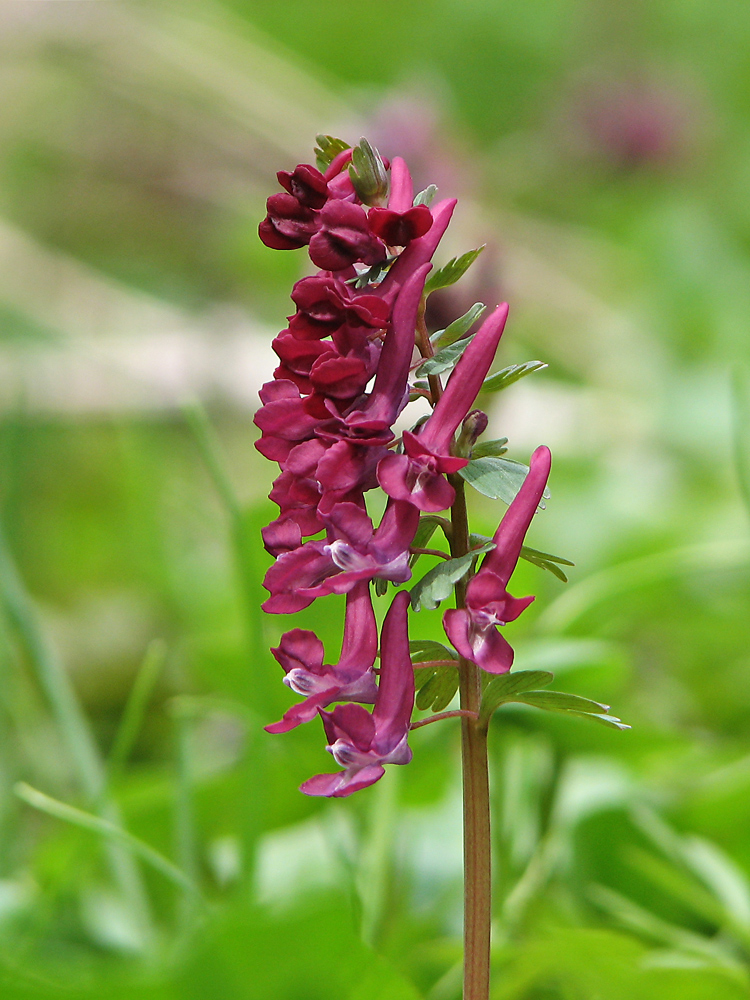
(476, 794)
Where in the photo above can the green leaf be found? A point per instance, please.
(445, 359)
(502, 379)
(606, 720)
(452, 271)
(368, 175)
(381, 586)
(327, 150)
(426, 650)
(455, 330)
(485, 449)
(436, 585)
(105, 828)
(506, 687)
(425, 197)
(559, 701)
(497, 478)
(437, 691)
(545, 560)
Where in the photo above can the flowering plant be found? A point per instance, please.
(355, 352)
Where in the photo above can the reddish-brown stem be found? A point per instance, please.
(456, 714)
(425, 349)
(429, 552)
(476, 793)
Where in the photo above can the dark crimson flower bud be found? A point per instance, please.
(288, 225)
(474, 425)
(344, 237)
(306, 184)
(397, 229)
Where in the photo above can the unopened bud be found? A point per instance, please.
(474, 425)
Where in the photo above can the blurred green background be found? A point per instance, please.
(602, 151)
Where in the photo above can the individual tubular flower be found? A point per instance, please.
(472, 629)
(362, 742)
(344, 237)
(417, 476)
(300, 654)
(351, 552)
(288, 225)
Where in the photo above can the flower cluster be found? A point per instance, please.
(345, 362)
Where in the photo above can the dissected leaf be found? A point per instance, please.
(445, 359)
(486, 449)
(502, 379)
(560, 701)
(455, 330)
(506, 687)
(426, 650)
(327, 150)
(452, 271)
(425, 197)
(545, 560)
(436, 585)
(438, 690)
(497, 478)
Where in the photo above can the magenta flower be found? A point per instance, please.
(401, 222)
(417, 476)
(472, 629)
(362, 742)
(351, 552)
(300, 654)
(288, 225)
(344, 237)
(284, 420)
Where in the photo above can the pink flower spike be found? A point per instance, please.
(472, 629)
(362, 742)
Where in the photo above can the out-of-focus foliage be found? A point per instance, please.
(600, 150)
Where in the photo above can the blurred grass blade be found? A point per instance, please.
(186, 841)
(73, 726)
(197, 419)
(244, 543)
(644, 922)
(135, 708)
(624, 577)
(741, 429)
(103, 827)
